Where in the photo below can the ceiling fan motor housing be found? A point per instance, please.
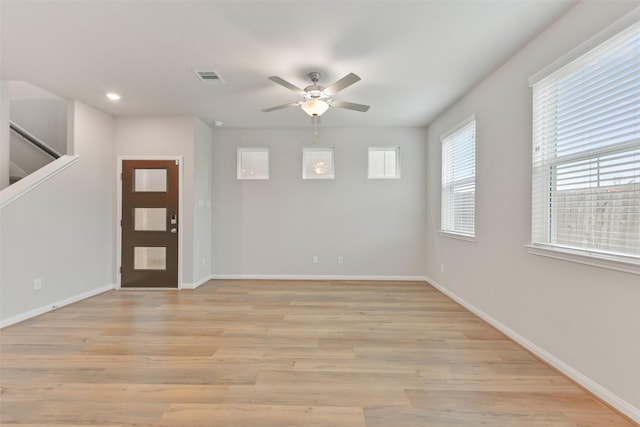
(315, 91)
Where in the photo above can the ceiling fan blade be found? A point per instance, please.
(281, 107)
(286, 84)
(350, 106)
(344, 82)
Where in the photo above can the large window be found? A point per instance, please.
(459, 180)
(586, 152)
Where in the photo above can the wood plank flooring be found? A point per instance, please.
(279, 353)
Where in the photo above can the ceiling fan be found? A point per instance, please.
(317, 99)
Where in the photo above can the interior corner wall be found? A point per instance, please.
(61, 231)
(202, 218)
(274, 227)
(583, 316)
(166, 136)
(5, 135)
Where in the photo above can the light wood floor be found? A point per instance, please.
(263, 354)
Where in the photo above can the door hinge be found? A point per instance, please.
(177, 162)
(120, 269)
(120, 223)
(120, 176)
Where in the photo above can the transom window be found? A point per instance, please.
(253, 163)
(384, 163)
(317, 163)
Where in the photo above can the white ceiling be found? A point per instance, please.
(414, 57)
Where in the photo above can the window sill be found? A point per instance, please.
(457, 236)
(592, 259)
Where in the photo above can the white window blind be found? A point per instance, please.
(459, 180)
(586, 152)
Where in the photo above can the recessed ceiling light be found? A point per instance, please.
(113, 96)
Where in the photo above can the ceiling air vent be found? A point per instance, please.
(209, 77)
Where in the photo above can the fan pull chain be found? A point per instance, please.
(315, 132)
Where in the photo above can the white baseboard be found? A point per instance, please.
(54, 306)
(196, 284)
(316, 277)
(606, 395)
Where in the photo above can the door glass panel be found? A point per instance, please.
(150, 180)
(150, 219)
(149, 258)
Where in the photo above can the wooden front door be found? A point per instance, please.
(150, 223)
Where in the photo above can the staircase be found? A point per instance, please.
(28, 153)
(37, 120)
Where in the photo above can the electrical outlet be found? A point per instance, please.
(340, 259)
(37, 284)
(315, 259)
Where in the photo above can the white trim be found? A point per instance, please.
(35, 179)
(315, 277)
(586, 46)
(17, 168)
(56, 305)
(459, 236)
(601, 392)
(586, 258)
(118, 262)
(198, 283)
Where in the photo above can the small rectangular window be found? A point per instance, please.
(317, 163)
(458, 192)
(253, 163)
(384, 163)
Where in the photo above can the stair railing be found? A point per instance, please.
(44, 147)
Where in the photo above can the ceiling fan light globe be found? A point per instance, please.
(315, 107)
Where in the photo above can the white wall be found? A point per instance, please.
(584, 316)
(4, 134)
(202, 221)
(274, 227)
(61, 231)
(173, 136)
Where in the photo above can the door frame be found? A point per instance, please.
(118, 262)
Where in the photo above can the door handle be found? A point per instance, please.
(174, 230)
